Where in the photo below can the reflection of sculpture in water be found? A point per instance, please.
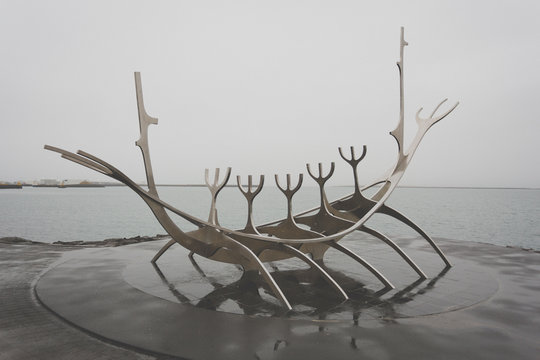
(252, 246)
(306, 291)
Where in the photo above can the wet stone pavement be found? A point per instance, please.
(29, 331)
(112, 303)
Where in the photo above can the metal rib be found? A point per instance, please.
(254, 260)
(399, 216)
(363, 262)
(162, 250)
(396, 248)
(318, 268)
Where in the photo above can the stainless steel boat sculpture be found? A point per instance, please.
(252, 246)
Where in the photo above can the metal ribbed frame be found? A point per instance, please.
(281, 239)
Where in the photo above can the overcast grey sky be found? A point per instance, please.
(266, 86)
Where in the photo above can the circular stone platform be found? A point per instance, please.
(205, 309)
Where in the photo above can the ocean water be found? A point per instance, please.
(496, 216)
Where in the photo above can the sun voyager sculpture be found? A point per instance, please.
(254, 245)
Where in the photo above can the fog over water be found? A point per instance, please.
(266, 87)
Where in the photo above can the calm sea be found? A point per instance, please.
(496, 216)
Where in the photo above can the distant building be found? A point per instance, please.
(48, 182)
(68, 182)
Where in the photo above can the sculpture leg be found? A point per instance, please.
(292, 250)
(399, 216)
(182, 298)
(162, 250)
(396, 248)
(363, 262)
(252, 262)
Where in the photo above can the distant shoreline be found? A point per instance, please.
(469, 187)
(114, 242)
(15, 240)
(403, 186)
(103, 185)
